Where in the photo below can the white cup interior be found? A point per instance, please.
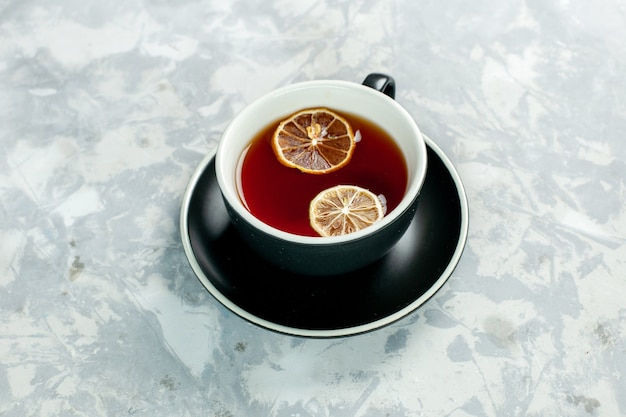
(348, 97)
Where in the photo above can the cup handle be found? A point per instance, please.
(381, 82)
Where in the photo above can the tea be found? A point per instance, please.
(280, 196)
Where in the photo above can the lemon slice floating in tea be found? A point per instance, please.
(344, 209)
(316, 141)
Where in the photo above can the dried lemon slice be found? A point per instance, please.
(344, 209)
(315, 141)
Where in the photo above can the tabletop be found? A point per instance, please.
(107, 108)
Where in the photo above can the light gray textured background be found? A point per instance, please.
(106, 108)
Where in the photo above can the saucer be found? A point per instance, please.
(333, 306)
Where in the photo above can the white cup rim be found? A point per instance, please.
(226, 175)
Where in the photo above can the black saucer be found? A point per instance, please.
(327, 306)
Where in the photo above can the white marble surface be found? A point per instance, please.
(107, 107)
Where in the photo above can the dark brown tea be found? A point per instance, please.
(280, 196)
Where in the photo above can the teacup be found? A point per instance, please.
(316, 255)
